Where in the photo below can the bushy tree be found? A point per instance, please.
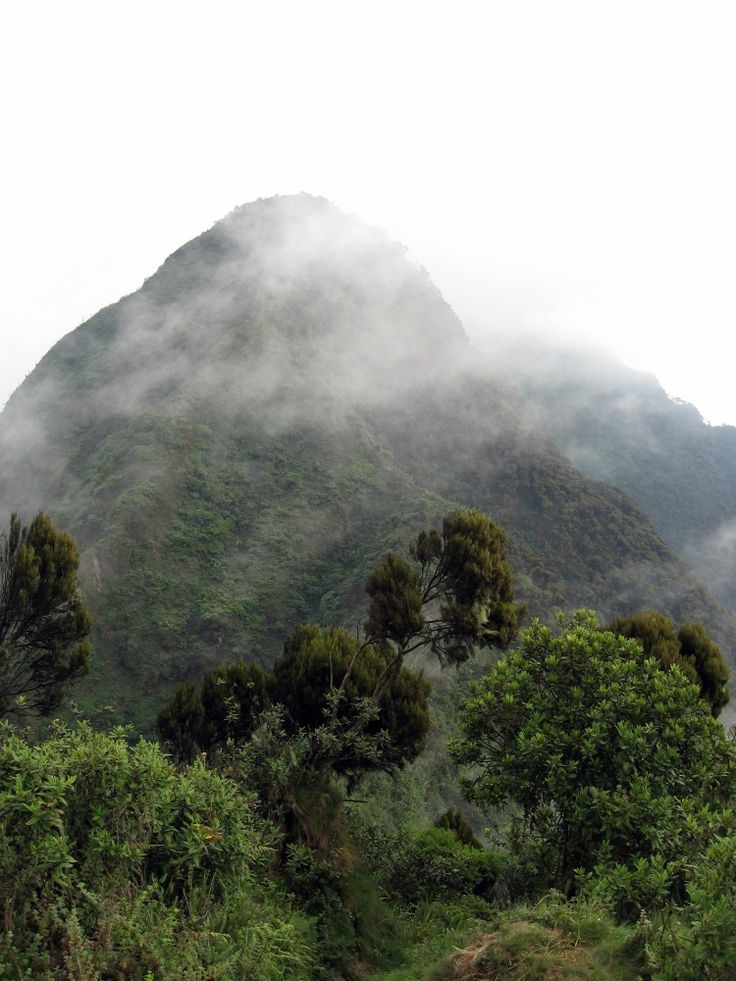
(43, 623)
(323, 689)
(180, 723)
(657, 635)
(320, 680)
(712, 672)
(690, 648)
(609, 761)
(227, 708)
(453, 820)
(233, 698)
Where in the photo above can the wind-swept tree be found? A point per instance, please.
(43, 623)
(454, 594)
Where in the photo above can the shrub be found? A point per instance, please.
(700, 941)
(421, 866)
(115, 863)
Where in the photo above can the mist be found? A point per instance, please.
(290, 395)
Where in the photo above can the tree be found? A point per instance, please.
(608, 760)
(456, 593)
(43, 623)
(710, 666)
(690, 648)
(229, 707)
(320, 682)
(180, 723)
(346, 732)
(359, 705)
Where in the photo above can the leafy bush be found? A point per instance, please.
(114, 863)
(699, 941)
(421, 866)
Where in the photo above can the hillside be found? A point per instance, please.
(287, 397)
(618, 425)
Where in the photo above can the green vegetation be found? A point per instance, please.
(240, 449)
(690, 648)
(606, 776)
(455, 594)
(43, 623)
(553, 939)
(116, 864)
(323, 679)
(599, 751)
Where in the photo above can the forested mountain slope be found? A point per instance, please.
(237, 443)
(619, 425)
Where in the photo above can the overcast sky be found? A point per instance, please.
(564, 167)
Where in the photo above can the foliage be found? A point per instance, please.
(453, 820)
(464, 573)
(326, 692)
(434, 930)
(43, 624)
(690, 648)
(228, 707)
(699, 940)
(233, 698)
(317, 662)
(116, 864)
(181, 722)
(415, 866)
(610, 761)
(657, 636)
(552, 939)
(710, 666)
(353, 921)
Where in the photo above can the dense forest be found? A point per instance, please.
(331, 649)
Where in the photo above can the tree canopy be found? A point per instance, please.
(310, 682)
(454, 592)
(690, 648)
(607, 758)
(43, 623)
(317, 661)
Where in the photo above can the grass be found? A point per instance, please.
(552, 941)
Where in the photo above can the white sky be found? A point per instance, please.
(569, 167)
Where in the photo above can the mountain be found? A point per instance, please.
(236, 444)
(618, 425)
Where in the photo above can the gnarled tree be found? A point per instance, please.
(455, 593)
